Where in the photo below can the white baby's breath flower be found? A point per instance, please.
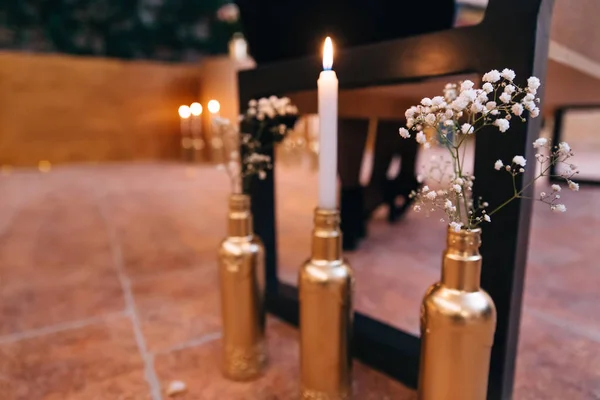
(455, 226)
(498, 165)
(469, 95)
(466, 85)
(505, 98)
(449, 122)
(533, 84)
(426, 102)
(430, 119)
(519, 160)
(410, 122)
(534, 113)
(431, 195)
(449, 113)
(488, 87)
(564, 148)
(487, 218)
(529, 105)
(541, 142)
(252, 103)
(425, 188)
(417, 208)
(251, 112)
(492, 76)
(559, 208)
(466, 128)
(510, 89)
(508, 74)
(490, 105)
(262, 175)
(460, 103)
(517, 109)
(404, 133)
(438, 101)
(543, 195)
(410, 113)
(556, 188)
(448, 204)
(421, 138)
(502, 124)
(457, 188)
(573, 186)
(528, 97)
(459, 181)
(476, 107)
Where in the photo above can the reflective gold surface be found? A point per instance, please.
(458, 320)
(325, 289)
(241, 273)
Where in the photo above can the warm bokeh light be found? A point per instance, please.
(328, 54)
(214, 106)
(196, 108)
(184, 112)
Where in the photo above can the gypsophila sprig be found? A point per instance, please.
(461, 112)
(266, 122)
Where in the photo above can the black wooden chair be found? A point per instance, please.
(515, 34)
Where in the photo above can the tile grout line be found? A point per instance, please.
(65, 326)
(585, 332)
(147, 357)
(199, 341)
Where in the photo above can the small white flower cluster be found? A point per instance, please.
(558, 156)
(460, 113)
(496, 103)
(452, 201)
(266, 122)
(271, 108)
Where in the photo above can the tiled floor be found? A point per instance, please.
(108, 287)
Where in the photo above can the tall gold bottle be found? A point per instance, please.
(241, 272)
(458, 320)
(326, 289)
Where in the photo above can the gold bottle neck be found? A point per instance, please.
(240, 217)
(327, 237)
(461, 265)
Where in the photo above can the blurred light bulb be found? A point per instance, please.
(214, 106)
(195, 109)
(184, 112)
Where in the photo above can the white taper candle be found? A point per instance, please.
(328, 118)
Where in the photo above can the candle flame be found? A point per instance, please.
(184, 112)
(328, 54)
(196, 109)
(214, 106)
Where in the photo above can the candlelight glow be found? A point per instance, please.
(196, 108)
(214, 106)
(328, 54)
(184, 112)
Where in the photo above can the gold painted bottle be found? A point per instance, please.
(325, 288)
(458, 320)
(242, 276)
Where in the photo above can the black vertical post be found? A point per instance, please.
(505, 240)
